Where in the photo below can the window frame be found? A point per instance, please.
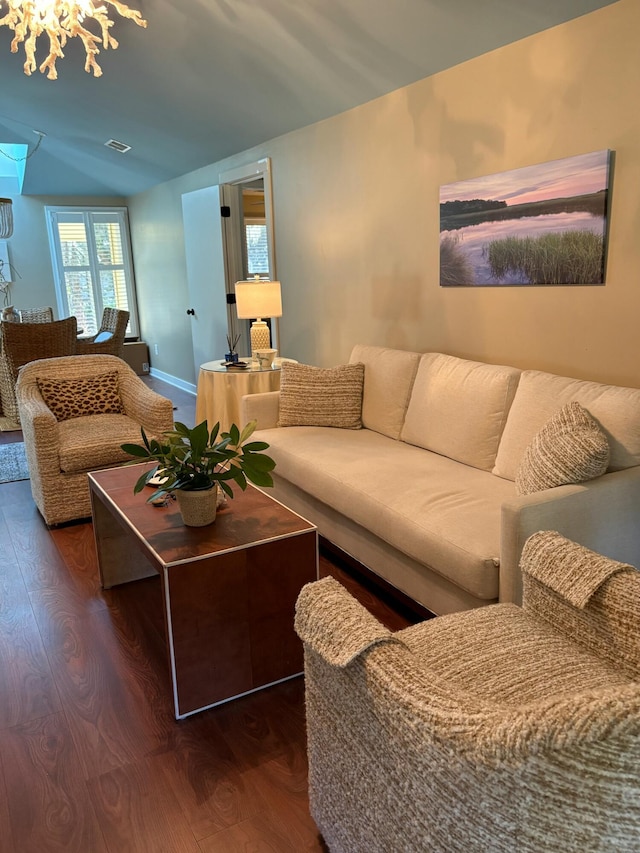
(94, 267)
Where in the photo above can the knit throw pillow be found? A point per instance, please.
(570, 448)
(321, 396)
(75, 398)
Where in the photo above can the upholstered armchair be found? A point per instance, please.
(496, 730)
(25, 342)
(75, 414)
(109, 339)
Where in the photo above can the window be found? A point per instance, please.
(92, 264)
(257, 249)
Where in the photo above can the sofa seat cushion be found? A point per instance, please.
(459, 408)
(439, 512)
(92, 442)
(464, 650)
(540, 395)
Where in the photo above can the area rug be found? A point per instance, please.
(13, 463)
(7, 425)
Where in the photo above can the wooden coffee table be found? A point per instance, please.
(229, 589)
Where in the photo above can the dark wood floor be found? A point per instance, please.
(91, 758)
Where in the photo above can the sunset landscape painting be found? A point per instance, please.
(539, 225)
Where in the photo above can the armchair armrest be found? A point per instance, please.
(333, 624)
(263, 408)
(150, 409)
(601, 514)
(39, 430)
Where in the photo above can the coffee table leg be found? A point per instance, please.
(118, 558)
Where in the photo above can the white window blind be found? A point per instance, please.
(92, 264)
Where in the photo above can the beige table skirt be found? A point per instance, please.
(220, 391)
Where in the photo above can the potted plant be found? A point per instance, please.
(194, 462)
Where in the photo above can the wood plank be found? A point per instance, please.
(213, 790)
(138, 812)
(48, 804)
(27, 689)
(116, 704)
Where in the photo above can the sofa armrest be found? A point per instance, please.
(263, 408)
(601, 515)
(150, 409)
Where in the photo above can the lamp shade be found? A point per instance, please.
(258, 299)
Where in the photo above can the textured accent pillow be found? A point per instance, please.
(321, 396)
(570, 448)
(75, 398)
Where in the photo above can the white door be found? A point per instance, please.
(203, 241)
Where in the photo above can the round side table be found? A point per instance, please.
(220, 390)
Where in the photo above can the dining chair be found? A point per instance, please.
(36, 315)
(109, 339)
(25, 342)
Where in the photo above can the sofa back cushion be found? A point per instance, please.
(458, 408)
(540, 395)
(388, 379)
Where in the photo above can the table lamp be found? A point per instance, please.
(254, 300)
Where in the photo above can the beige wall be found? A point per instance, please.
(361, 264)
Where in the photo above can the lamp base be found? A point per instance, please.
(260, 337)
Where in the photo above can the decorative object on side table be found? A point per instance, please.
(194, 462)
(266, 357)
(254, 300)
(231, 357)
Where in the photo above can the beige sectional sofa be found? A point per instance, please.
(424, 493)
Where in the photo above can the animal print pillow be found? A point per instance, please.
(76, 398)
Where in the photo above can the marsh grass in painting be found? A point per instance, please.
(542, 225)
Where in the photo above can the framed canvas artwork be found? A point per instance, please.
(539, 225)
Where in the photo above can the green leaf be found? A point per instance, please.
(248, 431)
(260, 478)
(259, 463)
(255, 446)
(143, 480)
(135, 450)
(226, 488)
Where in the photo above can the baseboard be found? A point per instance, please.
(189, 387)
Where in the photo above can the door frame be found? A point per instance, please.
(231, 182)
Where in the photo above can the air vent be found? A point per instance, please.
(118, 146)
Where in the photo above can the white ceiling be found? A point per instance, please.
(211, 78)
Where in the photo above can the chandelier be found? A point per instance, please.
(62, 20)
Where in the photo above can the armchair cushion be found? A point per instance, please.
(570, 448)
(93, 442)
(77, 398)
